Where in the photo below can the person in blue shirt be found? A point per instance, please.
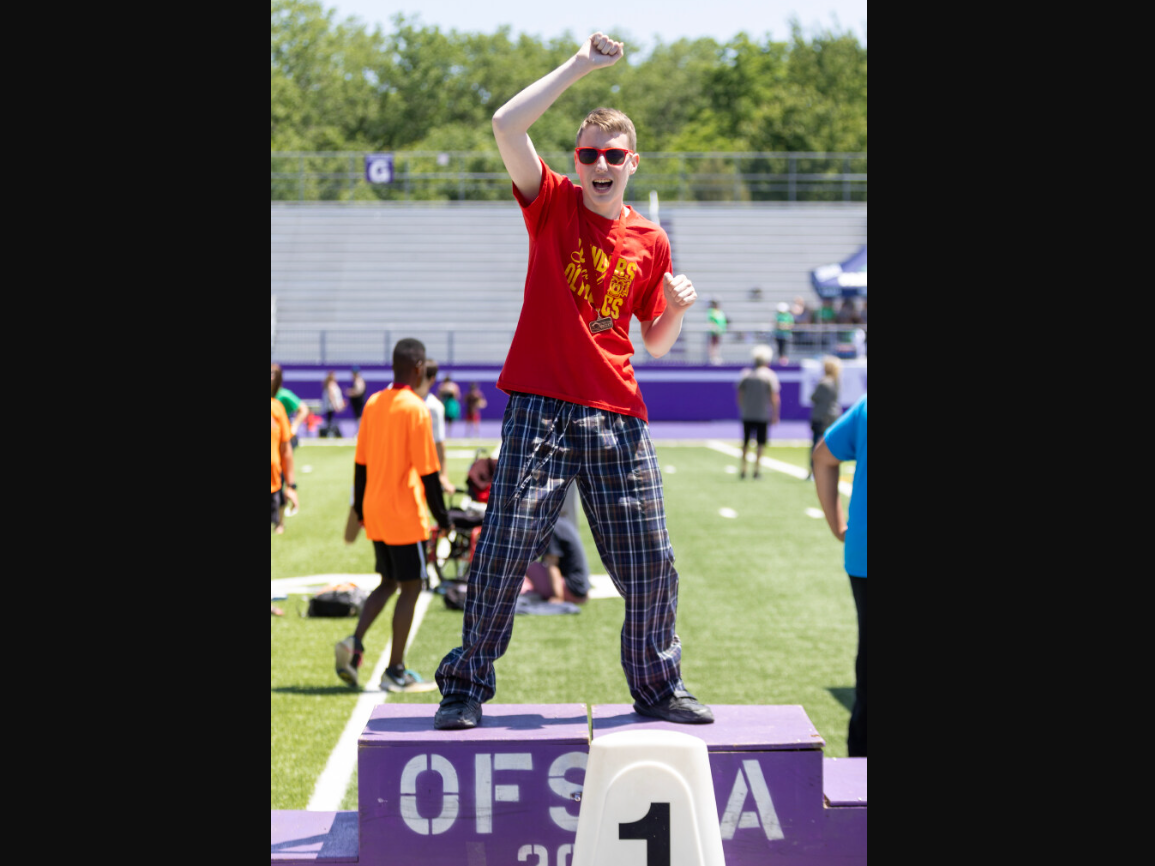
(845, 439)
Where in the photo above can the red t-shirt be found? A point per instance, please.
(571, 252)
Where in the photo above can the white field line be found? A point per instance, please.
(701, 443)
(602, 587)
(771, 463)
(334, 779)
(310, 583)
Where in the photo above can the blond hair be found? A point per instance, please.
(609, 120)
(762, 354)
(832, 366)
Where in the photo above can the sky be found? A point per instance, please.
(644, 20)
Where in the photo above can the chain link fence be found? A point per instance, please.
(481, 176)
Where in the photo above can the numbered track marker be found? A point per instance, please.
(648, 799)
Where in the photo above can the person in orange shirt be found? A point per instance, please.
(282, 454)
(395, 474)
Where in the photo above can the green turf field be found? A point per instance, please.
(765, 612)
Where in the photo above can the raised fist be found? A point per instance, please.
(679, 291)
(600, 50)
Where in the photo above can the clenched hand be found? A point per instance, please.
(600, 51)
(679, 291)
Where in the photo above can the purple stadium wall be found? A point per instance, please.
(671, 393)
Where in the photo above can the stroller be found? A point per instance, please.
(448, 555)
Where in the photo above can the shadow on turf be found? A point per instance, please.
(345, 826)
(844, 696)
(341, 689)
(509, 722)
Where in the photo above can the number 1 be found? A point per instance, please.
(655, 829)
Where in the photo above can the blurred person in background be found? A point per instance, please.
(284, 476)
(450, 396)
(802, 315)
(824, 408)
(866, 333)
(437, 415)
(825, 315)
(800, 311)
(331, 403)
(717, 320)
(758, 402)
(563, 574)
(295, 407)
(474, 403)
(297, 412)
(356, 394)
(847, 315)
(846, 440)
(783, 325)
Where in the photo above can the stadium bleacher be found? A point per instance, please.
(455, 271)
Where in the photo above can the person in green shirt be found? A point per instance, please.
(295, 407)
(783, 325)
(717, 321)
(826, 315)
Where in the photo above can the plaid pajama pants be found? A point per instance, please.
(545, 444)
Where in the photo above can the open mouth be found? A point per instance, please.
(602, 185)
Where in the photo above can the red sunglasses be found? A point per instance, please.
(613, 155)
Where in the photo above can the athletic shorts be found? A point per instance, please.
(278, 501)
(754, 428)
(400, 562)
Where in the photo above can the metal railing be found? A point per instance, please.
(481, 176)
(375, 346)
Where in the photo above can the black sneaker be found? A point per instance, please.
(457, 712)
(681, 707)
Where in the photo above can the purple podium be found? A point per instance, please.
(494, 794)
(509, 791)
(768, 772)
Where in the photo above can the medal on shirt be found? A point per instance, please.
(605, 322)
(602, 324)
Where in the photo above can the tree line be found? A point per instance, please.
(338, 87)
